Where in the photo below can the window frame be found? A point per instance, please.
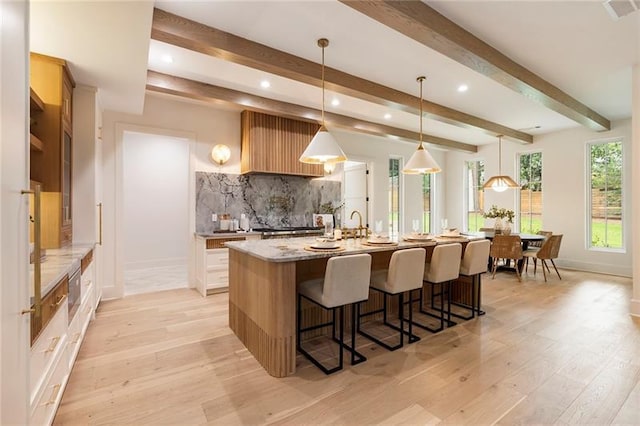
(431, 199)
(401, 197)
(518, 217)
(589, 200)
(465, 195)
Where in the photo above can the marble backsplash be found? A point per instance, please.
(266, 200)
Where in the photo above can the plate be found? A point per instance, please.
(379, 242)
(313, 246)
(418, 237)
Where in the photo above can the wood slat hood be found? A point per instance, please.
(273, 144)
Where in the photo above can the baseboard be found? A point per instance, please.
(635, 308)
(600, 268)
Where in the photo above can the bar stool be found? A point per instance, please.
(474, 263)
(406, 269)
(443, 268)
(346, 281)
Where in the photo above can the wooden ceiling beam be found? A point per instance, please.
(196, 90)
(425, 25)
(182, 32)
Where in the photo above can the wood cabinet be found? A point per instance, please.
(51, 158)
(273, 144)
(212, 262)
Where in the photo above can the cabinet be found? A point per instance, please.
(51, 157)
(273, 144)
(212, 262)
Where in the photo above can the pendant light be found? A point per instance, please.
(501, 182)
(323, 148)
(421, 162)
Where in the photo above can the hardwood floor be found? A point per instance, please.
(559, 352)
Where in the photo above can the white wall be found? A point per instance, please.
(564, 192)
(156, 202)
(14, 177)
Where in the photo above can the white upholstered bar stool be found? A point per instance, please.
(406, 269)
(443, 268)
(474, 263)
(345, 282)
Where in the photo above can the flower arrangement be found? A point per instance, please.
(502, 213)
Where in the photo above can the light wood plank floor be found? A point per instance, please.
(559, 352)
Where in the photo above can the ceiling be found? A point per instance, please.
(573, 45)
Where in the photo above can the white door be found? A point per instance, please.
(14, 217)
(356, 193)
(156, 212)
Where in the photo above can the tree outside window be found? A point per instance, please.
(426, 203)
(394, 196)
(474, 180)
(605, 193)
(530, 172)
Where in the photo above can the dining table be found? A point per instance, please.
(525, 238)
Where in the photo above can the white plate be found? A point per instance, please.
(313, 246)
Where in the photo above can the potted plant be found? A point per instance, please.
(499, 214)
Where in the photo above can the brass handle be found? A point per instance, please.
(88, 283)
(37, 251)
(59, 301)
(28, 311)
(53, 344)
(76, 337)
(100, 224)
(54, 395)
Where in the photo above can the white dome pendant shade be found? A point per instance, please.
(421, 162)
(500, 183)
(323, 148)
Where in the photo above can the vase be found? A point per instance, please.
(506, 229)
(497, 225)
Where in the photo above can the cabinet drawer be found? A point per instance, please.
(46, 348)
(219, 257)
(78, 327)
(44, 407)
(217, 278)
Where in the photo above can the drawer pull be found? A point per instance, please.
(53, 344)
(76, 337)
(89, 308)
(28, 311)
(88, 283)
(54, 395)
(59, 301)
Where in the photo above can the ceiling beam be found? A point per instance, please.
(182, 32)
(168, 84)
(425, 25)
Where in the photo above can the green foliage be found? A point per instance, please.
(531, 171)
(502, 213)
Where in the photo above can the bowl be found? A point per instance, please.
(325, 242)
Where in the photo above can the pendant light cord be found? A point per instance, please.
(323, 86)
(421, 79)
(500, 155)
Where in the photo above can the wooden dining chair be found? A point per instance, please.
(535, 246)
(506, 247)
(549, 251)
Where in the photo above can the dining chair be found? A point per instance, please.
(346, 282)
(507, 247)
(535, 245)
(549, 251)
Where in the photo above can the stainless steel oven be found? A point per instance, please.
(74, 289)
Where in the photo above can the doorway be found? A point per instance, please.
(356, 190)
(155, 212)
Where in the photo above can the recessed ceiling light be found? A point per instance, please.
(335, 102)
(463, 88)
(265, 84)
(167, 58)
(387, 116)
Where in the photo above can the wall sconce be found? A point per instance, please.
(220, 154)
(329, 168)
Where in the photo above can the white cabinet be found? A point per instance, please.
(212, 261)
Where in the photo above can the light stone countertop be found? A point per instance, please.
(57, 264)
(293, 249)
(226, 234)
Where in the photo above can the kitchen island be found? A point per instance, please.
(262, 290)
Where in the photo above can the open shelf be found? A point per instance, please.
(35, 143)
(35, 103)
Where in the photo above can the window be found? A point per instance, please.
(394, 196)
(530, 172)
(605, 194)
(475, 196)
(426, 203)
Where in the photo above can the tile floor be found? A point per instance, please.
(148, 280)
